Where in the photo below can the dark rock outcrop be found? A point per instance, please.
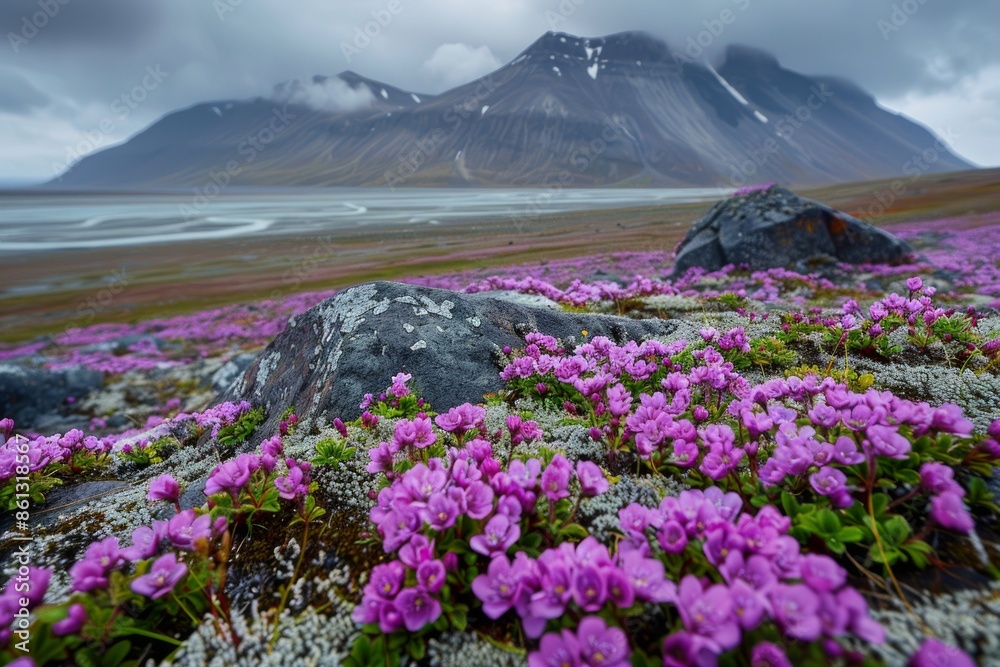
(353, 343)
(36, 398)
(777, 228)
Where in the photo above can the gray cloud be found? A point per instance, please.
(329, 94)
(18, 95)
(918, 54)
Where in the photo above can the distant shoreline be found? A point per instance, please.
(47, 290)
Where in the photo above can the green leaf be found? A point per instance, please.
(908, 476)
(835, 545)
(116, 654)
(894, 531)
(140, 632)
(574, 531)
(850, 534)
(85, 657)
(891, 555)
(919, 552)
(828, 522)
(416, 648)
(459, 619)
(531, 541)
(789, 505)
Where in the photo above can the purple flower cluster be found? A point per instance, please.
(428, 499)
(757, 427)
(947, 508)
(21, 456)
(847, 429)
(594, 644)
(214, 331)
(584, 578)
(417, 433)
(522, 430)
(764, 576)
(436, 494)
(221, 415)
(393, 605)
(182, 532)
(459, 421)
(766, 285)
(294, 485)
(398, 389)
(252, 473)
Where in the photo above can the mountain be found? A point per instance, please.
(567, 112)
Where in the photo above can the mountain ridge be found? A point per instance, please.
(568, 111)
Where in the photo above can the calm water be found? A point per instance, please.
(52, 221)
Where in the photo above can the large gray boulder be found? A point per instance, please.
(353, 343)
(36, 398)
(777, 228)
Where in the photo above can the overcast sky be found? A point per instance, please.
(78, 75)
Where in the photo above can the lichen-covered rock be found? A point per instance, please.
(353, 343)
(776, 228)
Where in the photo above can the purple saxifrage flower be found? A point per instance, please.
(145, 542)
(592, 480)
(229, 477)
(76, 617)
(937, 478)
(185, 529)
(87, 576)
(417, 607)
(398, 387)
(497, 536)
(949, 511)
(708, 612)
(933, 653)
(555, 478)
(601, 646)
(296, 483)
(766, 654)
(499, 589)
(556, 650)
(162, 577)
(164, 487)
